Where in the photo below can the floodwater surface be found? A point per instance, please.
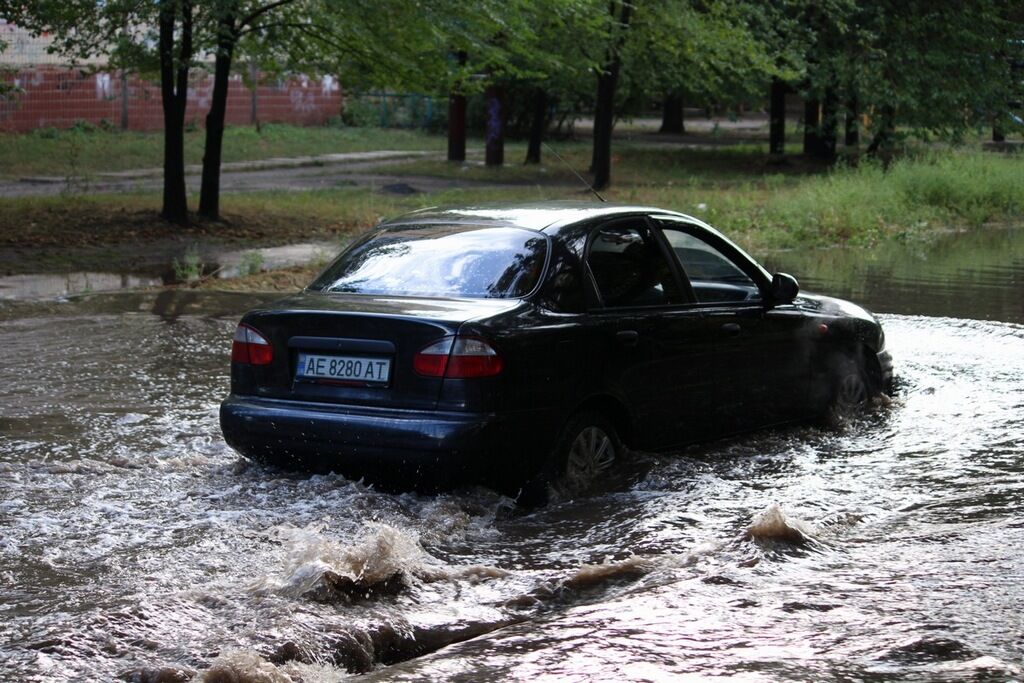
(135, 544)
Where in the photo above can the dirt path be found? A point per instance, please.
(298, 173)
(367, 169)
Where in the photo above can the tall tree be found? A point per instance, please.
(494, 132)
(698, 51)
(672, 114)
(607, 79)
(777, 117)
(155, 36)
(538, 123)
(927, 67)
(457, 115)
(228, 22)
(175, 16)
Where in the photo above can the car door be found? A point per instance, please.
(657, 341)
(761, 353)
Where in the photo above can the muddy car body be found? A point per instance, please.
(505, 345)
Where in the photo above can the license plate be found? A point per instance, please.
(361, 369)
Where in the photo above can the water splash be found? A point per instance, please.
(772, 524)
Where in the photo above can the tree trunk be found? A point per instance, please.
(883, 140)
(777, 118)
(829, 125)
(852, 137)
(254, 115)
(174, 97)
(672, 114)
(494, 153)
(997, 133)
(209, 193)
(604, 110)
(124, 99)
(537, 126)
(457, 119)
(812, 126)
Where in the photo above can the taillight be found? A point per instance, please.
(458, 358)
(473, 358)
(433, 360)
(251, 347)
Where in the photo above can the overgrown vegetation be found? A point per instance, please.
(89, 149)
(933, 68)
(759, 206)
(190, 267)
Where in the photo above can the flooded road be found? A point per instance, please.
(135, 544)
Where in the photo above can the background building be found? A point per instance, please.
(50, 93)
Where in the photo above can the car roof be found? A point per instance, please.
(530, 216)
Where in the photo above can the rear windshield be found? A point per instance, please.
(440, 260)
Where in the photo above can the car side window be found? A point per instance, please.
(629, 269)
(715, 278)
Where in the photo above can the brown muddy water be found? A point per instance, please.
(135, 545)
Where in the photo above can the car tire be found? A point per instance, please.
(587, 447)
(851, 390)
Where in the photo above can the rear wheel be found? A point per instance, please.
(587, 447)
(592, 452)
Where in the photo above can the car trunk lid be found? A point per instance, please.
(355, 349)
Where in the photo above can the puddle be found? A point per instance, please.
(51, 286)
(134, 544)
(191, 262)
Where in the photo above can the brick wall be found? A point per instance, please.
(57, 96)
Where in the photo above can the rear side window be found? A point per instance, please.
(629, 269)
(440, 261)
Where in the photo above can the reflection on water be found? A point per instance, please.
(49, 285)
(210, 262)
(977, 275)
(135, 544)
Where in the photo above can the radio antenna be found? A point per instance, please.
(569, 166)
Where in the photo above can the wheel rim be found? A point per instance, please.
(852, 392)
(592, 452)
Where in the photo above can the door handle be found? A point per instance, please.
(732, 329)
(627, 337)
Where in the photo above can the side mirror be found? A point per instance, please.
(784, 288)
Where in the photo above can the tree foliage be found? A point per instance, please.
(931, 67)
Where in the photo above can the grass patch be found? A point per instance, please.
(760, 206)
(633, 164)
(862, 205)
(79, 152)
(797, 204)
(259, 219)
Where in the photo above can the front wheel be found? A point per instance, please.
(852, 389)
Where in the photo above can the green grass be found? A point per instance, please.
(634, 164)
(761, 206)
(78, 152)
(798, 204)
(862, 205)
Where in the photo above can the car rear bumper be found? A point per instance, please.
(394, 449)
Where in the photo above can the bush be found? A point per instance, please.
(360, 113)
